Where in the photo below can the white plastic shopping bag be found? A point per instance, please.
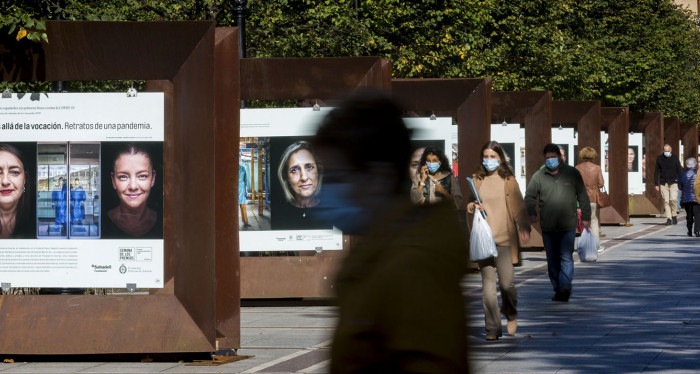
(587, 246)
(481, 244)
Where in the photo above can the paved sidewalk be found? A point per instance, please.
(635, 310)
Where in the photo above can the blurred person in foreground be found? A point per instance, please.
(401, 308)
(558, 187)
(686, 185)
(592, 176)
(507, 217)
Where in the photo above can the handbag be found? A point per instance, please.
(481, 243)
(603, 198)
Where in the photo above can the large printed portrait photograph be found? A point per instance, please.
(17, 186)
(297, 182)
(132, 180)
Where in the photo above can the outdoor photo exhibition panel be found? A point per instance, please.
(278, 169)
(87, 190)
(511, 137)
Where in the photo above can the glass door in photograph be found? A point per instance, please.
(52, 190)
(84, 186)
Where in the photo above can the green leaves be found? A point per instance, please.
(643, 53)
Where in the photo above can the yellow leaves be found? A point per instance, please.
(419, 68)
(21, 34)
(462, 55)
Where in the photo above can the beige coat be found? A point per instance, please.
(517, 213)
(593, 179)
(696, 189)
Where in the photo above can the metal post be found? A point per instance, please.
(60, 86)
(240, 10)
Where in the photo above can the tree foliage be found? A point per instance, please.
(643, 53)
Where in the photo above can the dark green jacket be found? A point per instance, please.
(558, 196)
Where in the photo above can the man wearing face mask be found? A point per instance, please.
(668, 170)
(559, 187)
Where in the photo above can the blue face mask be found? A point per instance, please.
(490, 164)
(552, 163)
(667, 154)
(433, 166)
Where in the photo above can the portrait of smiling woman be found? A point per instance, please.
(300, 177)
(16, 218)
(135, 180)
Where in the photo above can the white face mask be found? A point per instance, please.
(667, 154)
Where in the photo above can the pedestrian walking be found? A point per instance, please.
(400, 303)
(507, 217)
(558, 188)
(685, 186)
(593, 179)
(668, 170)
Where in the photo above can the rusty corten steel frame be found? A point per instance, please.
(533, 110)
(689, 139)
(302, 78)
(227, 104)
(584, 116)
(615, 121)
(175, 58)
(652, 126)
(466, 100)
(672, 134)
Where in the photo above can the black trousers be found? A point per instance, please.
(692, 215)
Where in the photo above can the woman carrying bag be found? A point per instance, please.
(593, 179)
(507, 217)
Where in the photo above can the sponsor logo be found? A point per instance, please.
(122, 269)
(127, 254)
(101, 268)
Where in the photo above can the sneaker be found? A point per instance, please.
(697, 234)
(602, 235)
(492, 336)
(675, 221)
(668, 222)
(601, 249)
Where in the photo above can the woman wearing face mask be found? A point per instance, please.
(436, 181)
(507, 216)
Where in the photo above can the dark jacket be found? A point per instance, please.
(668, 170)
(685, 184)
(558, 195)
(401, 308)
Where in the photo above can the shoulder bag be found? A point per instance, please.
(603, 197)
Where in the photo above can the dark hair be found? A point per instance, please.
(131, 149)
(444, 164)
(504, 169)
(551, 148)
(367, 127)
(23, 215)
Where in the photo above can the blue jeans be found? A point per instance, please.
(559, 246)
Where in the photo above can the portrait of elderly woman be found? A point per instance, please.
(16, 198)
(137, 185)
(300, 176)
